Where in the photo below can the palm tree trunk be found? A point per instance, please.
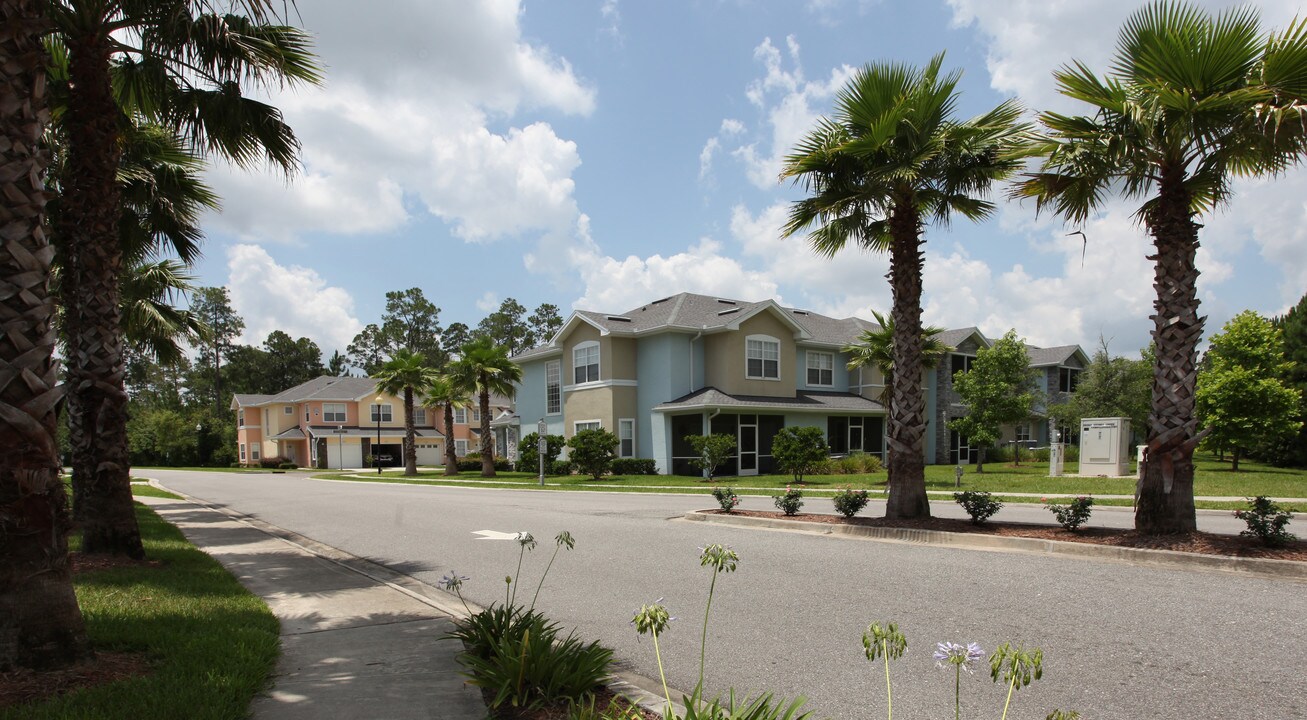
(1166, 491)
(487, 441)
(907, 472)
(451, 457)
(40, 623)
(410, 444)
(88, 227)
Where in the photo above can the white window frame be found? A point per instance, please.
(585, 349)
(829, 359)
(329, 415)
(763, 341)
(288, 410)
(387, 412)
(553, 387)
(419, 416)
(460, 447)
(626, 433)
(460, 416)
(254, 451)
(240, 419)
(1022, 432)
(476, 416)
(580, 425)
(242, 452)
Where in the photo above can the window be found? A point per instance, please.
(242, 452)
(419, 416)
(240, 420)
(763, 357)
(383, 411)
(821, 368)
(553, 393)
(288, 410)
(254, 452)
(962, 363)
(267, 417)
(460, 416)
(1023, 433)
(476, 416)
(460, 447)
(306, 413)
(626, 436)
(585, 362)
(1067, 379)
(333, 412)
(586, 425)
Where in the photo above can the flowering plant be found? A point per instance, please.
(1074, 514)
(726, 497)
(790, 502)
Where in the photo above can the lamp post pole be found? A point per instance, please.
(542, 446)
(375, 458)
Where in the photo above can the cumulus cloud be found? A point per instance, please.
(296, 300)
(611, 15)
(615, 285)
(407, 112)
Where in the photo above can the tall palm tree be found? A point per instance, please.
(875, 348)
(185, 65)
(889, 160)
(484, 368)
(446, 394)
(406, 373)
(1191, 101)
(39, 616)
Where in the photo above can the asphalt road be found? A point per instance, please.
(1119, 641)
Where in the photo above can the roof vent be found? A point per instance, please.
(728, 312)
(725, 302)
(619, 318)
(799, 312)
(655, 302)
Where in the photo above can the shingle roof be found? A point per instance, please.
(954, 338)
(1042, 357)
(327, 387)
(247, 399)
(366, 431)
(803, 401)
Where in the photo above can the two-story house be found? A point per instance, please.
(337, 422)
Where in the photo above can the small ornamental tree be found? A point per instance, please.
(592, 451)
(713, 450)
(798, 450)
(999, 389)
(529, 457)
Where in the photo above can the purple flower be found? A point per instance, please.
(953, 654)
(452, 581)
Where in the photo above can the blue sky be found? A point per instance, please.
(600, 154)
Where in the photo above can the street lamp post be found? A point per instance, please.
(542, 446)
(199, 442)
(375, 458)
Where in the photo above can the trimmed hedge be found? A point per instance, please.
(634, 466)
(501, 465)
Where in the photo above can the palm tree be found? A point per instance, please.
(889, 160)
(182, 64)
(875, 348)
(484, 368)
(405, 373)
(39, 616)
(447, 395)
(1191, 101)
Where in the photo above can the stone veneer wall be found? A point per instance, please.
(945, 398)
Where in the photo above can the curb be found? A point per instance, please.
(1260, 567)
(629, 685)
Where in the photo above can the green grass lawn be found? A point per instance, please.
(151, 491)
(211, 644)
(1213, 478)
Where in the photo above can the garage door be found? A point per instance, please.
(429, 454)
(352, 455)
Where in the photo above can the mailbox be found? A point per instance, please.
(1105, 446)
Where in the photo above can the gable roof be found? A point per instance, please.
(954, 338)
(1043, 357)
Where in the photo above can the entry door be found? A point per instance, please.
(748, 446)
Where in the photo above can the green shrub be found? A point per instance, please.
(635, 466)
(529, 456)
(236, 465)
(561, 467)
(1074, 514)
(790, 502)
(592, 452)
(288, 466)
(465, 465)
(517, 656)
(980, 505)
(712, 451)
(798, 450)
(726, 497)
(848, 502)
(273, 461)
(1266, 522)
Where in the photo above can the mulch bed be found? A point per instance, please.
(603, 699)
(91, 563)
(24, 686)
(1198, 542)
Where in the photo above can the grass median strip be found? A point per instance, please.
(210, 643)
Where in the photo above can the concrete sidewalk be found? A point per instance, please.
(354, 644)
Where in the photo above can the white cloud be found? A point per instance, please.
(612, 17)
(488, 302)
(615, 285)
(407, 111)
(706, 156)
(295, 300)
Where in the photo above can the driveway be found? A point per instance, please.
(1120, 641)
